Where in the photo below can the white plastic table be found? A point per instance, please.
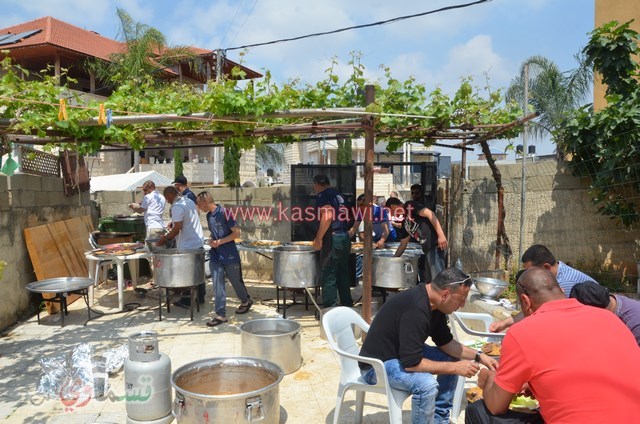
(120, 260)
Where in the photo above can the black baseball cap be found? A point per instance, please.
(590, 293)
(180, 179)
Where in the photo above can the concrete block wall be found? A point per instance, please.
(558, 214)
(27, 201)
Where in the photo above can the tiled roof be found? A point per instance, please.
(64, 35)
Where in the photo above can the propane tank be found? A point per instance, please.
(147, 378)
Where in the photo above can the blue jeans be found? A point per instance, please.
(432, 396)
(234, 273)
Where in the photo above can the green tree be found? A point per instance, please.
(344, 153)
(177, 163)
(552, 93)
(231, 168)
(603, 145)
(145, 55)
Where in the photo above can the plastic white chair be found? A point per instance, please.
(337, 324)
(459, 317)
(94, 272)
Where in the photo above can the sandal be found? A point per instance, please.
(243, 309)
(216, 321)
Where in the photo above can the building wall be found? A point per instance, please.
(559, 214)
(610, 10)
(27, 201)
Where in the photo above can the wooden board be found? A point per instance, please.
(57, 250)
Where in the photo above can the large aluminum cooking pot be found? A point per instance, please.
(395, 272)
(295, 266)
(274, 339)
(227, 390)
(178, 268)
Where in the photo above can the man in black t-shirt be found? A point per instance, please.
(421, 224)
(397, 337)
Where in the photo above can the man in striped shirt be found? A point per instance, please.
(567, 277)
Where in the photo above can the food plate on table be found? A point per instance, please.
(121, 246)
(263, 243)
(301, 243)
(524, 404)
(491, 349)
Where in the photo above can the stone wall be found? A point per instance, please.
(559, 214)
(27, 201)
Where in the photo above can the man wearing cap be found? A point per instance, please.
(180, 184)
(397, 337)
(628, 310)
(332, 240)
(567, 277)
(576, 377)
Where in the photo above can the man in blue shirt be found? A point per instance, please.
(180, 183)
(380, 228)
(567, 277)
(225, 258)
(332, 240)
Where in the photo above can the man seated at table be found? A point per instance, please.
(628, 310)
(397, 337)
(567, 277)
(579, 362)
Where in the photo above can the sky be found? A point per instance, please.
(489, 40)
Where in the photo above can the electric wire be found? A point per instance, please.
(388, 21)
(243, 22)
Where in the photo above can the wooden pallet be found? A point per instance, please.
(57, 250)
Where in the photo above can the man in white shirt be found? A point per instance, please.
(186, 230)
(152, 206)
(186, 227)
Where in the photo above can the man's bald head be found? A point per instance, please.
(540, 286)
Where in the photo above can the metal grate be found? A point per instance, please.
(39, 163)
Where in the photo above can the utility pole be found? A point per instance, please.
(367, 254)
(216, 150)
(523, 189)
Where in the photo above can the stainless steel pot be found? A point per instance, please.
(274, 339)
(178, 268)
(152, 244)
(227, 390)
(295, 266)
(395, 273)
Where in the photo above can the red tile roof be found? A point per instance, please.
(64, 35)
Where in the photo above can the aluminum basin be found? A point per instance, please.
(490, 288)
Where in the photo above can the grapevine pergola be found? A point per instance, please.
(149, 116)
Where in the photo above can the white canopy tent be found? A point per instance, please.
(127, 182)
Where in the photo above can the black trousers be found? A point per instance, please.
(477, 413)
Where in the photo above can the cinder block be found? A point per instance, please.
(4, 202)
(4, 183)
(33, 182)
(56, 198)
(42, 198)
(24, 199)
(52, 184)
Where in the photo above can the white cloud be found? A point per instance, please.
(85, 14)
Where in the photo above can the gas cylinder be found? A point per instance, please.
(147, 377)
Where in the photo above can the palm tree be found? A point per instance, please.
(552, 93)
(146, 54)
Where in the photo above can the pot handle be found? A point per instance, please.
(178, 405)
(294, 335)
(254, 406)
(408, 268)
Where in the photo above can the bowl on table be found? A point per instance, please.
(490, 288)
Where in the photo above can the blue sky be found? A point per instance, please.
(488, 39)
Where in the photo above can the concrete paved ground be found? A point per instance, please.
(306, 396)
